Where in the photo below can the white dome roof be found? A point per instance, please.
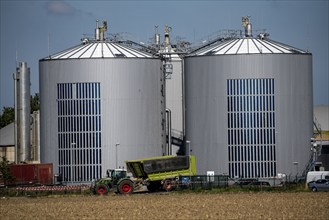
(246, 46)
(100, 49)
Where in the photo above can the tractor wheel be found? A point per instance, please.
(168, 185)
(102, 189)
(126, 187)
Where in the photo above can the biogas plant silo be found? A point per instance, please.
(102, 103)
(249, 106)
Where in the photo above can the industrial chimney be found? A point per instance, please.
(22, 112)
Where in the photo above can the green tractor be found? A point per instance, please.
(115, 179)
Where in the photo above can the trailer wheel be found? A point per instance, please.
(126, 187)
(168, 185)
(102, 189)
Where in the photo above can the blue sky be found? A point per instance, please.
(30, 29)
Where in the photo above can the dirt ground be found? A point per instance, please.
(238, 205)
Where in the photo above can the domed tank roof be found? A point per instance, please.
(248, 45)
(100, 49)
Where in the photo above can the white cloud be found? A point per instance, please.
(60, 8)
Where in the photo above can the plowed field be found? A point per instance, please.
(261, 205)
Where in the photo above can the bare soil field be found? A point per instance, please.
(237, 205)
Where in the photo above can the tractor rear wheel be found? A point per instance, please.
(126, 187)
(102, 189)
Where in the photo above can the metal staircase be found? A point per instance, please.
(315, 150)
(177, 139)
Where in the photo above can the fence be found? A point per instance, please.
(223, 181)
(203, 182)
(44, 190)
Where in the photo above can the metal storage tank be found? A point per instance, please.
(102, 103)
(249, 107)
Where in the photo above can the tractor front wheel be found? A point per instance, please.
(102, 189)
(126, 187)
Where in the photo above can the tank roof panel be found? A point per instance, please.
(246, 45)
(100, 49)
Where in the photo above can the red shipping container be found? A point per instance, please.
(32, 174)
(45, 174)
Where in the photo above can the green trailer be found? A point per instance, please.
(157, 173)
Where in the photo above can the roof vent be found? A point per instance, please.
(157, 37)
(246, 23)
(263, 36)
(100, 31)
(166, 35)
(85, 41)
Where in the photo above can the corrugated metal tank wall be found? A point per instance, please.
(131, 111)
(174, 99)
(207, 80)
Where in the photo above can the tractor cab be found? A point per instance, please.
(116, 174)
